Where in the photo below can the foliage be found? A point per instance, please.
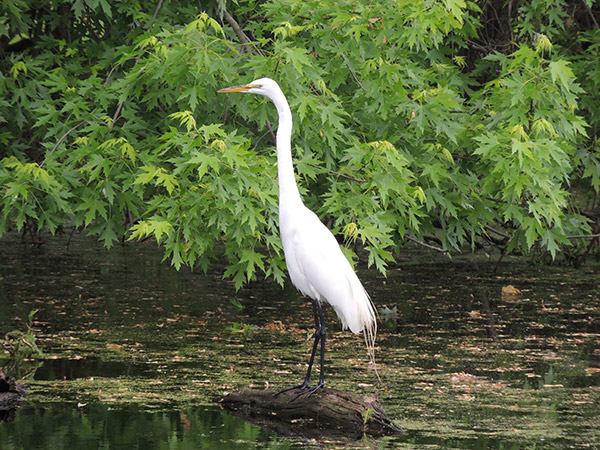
(21, 344)
(456, 123)
(237, 327)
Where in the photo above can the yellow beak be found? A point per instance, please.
(244, 88)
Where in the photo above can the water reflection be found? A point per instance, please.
(73, 369)
(99, 426)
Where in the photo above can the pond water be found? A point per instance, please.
(61, 426)
(136, 352)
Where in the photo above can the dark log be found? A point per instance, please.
(10, 394)
(327, 413)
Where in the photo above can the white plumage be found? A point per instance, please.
(319, 269)
(315, 262)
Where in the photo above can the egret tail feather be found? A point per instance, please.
(370, 333)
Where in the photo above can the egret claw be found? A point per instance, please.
(308, 390)
(291, 388)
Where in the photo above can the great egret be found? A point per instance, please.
(315, 262)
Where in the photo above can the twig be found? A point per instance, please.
(465, 158)
(243, 37)
(62, 138)
(509, 14)
(584, 236)
(432, 247)
(137, 60)
(333, 172)
(70, 236)
(491, 199)
(499, 233)
(590, 12)
(236, 27)
(260, 139)
(500, 259)
(155, 15)
(347, 62)
(477, 46)
(226, 112)
(271, 132)
(119, 107)
(115, 68)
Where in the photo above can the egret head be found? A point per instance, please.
(262, 86)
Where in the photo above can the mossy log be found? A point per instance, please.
(327, 413)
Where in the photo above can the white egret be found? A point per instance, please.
(315, 262)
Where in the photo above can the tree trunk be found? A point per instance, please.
(327, 413)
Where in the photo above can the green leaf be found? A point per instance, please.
(561, 70)
(185, 118)
(456, 7)
(167, 180)
(206, 162)
(149, 173)
(159, 228)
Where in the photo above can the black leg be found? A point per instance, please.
(323, 332)
(318, 313)
(320, 334)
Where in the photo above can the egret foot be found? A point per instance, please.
(304, 389)
(320, 335)
(291, 388)
(308, 391)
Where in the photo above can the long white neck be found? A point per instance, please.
(288, 189)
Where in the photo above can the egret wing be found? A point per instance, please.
(319, 269)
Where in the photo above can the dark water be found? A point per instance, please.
(136, 351)
(99, 426)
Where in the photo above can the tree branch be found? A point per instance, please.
(347, 63)
(137, 60)
(236, 28)
(590, 12)
(432, 247)
(260, 139)
(115, 68)
(584, 236)
(62, 138)
(271, 132)
(158, 6)
(499, 233)
(333, 172)
(243, 37)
